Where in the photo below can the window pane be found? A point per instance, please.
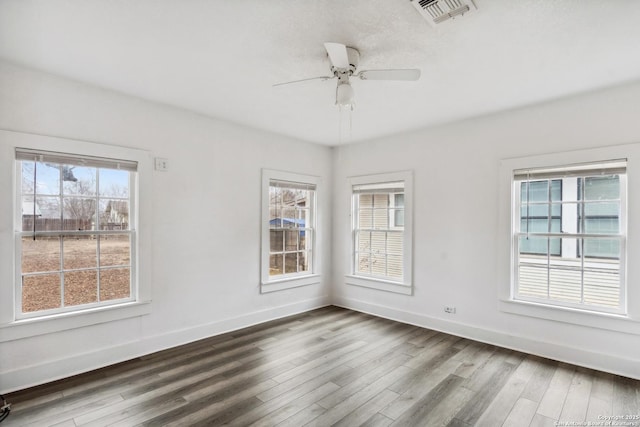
(534, 245)
(274, 218)
(42, 254)
(289, 197)
(303, 217)
(363, 263)
(365, 201)
(47, 178)
(305, 239)
(394, 243)
(115, 249)
(602, 188)
(394, 267)
(80, 287)
(80, 252)
(378, 265)
(602, 248)
(378, 241)
(398, 217)
(601, 225)
(610, 209)
(291, 240)
(363, 241)
(381, 201)
(47, 217)
(78, 180)
(602, 283)
(28, 183)
(556, 190)
(565, 274)
(276, 239)
(276, 264)
(381, 218)
(40, 292)
(533, 280)
(114, 214)
(291, 263)
(79, 213)
(289, 217)
(535, 210)
(275, 207)
(303, 261)
(365, 218)
(114, 183)
(398, 200)
(115, 283)
(538, 191)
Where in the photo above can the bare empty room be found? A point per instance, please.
(379, 212)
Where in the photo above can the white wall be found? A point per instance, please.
(199, 290)
(456, 227)
(205, 223)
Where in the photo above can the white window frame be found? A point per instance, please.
(288, 281)
(559, 173)
(627, 319)
(12, 324)
(406, 285)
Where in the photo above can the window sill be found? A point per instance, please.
(288, 283)
(379, 284)
(606, 321)
(61, 322)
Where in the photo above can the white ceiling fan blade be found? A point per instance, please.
(337, 54)
(305, 80)
(405, 74)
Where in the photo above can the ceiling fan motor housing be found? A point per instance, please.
(354, 60)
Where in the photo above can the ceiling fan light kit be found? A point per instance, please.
(344, 95)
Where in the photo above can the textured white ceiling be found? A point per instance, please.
(221, 57)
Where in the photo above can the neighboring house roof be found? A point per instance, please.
(27, 208)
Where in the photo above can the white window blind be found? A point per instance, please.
(74, 160)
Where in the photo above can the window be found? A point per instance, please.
(381, 233)
(76, 236)
(569, 240)
(289, 230)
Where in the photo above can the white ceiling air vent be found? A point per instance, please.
(437, 11)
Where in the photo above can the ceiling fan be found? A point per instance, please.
(344, 65)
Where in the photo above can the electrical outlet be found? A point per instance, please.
(450, 310)
(161, 165)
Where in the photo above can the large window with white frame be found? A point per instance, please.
(569, 235)
(381, 231)
(76, 237)
(289, 230)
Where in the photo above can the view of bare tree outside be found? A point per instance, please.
(290, 227)
(76, 244)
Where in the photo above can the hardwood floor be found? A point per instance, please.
(331, 367)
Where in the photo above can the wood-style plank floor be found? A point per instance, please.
(327, 367)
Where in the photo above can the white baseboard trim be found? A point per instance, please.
(57, 369)
(589, 359)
